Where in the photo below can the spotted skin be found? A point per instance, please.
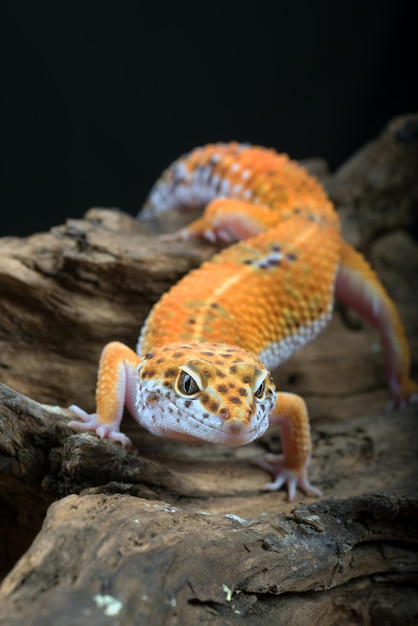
(201, 369)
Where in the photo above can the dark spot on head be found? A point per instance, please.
(241, 391)
(275, 248)
(166, 383)
(235, 400)
(214, 305)
(191, 321)
(262, 266)
(187, 403)
(214, 406)
(148, 373)
(222, 388)
(290, 256)
(246, 379)
(273, 262)
(233, 369)
(205, 416)
(205, 399)
(208, 353)
(149, 355)
(231, 385)
(170, 372)
(220, 374)
(177, 355)
(160, 360)
(206, 373)
(247, 262)
(170, 409)
(237, 360)
(226, 355)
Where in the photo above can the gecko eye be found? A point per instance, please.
(259, 393)
(186, 385)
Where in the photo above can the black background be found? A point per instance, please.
(98, 97)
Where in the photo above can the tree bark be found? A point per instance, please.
(167, 533)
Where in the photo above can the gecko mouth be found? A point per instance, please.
(208, 435)
(172, 422)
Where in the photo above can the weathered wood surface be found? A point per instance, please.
(167, 534)
(376, 190)
(178, 534)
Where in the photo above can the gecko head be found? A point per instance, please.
(204, 393)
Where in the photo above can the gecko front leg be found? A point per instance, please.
(116, 387)
(291, 469)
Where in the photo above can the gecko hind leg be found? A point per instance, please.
(226, 221)
(358, 287)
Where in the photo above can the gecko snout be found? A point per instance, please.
(237, 425)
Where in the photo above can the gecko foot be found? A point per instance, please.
(90, 422)
(283, 476)
(404, 393)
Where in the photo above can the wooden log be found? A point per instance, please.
(369, 189)
(159, 535)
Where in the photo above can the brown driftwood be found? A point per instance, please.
(169, 533)
(370, 188)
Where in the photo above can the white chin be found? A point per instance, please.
(208, 436)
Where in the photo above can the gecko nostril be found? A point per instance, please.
(224, 413)
(237, 426)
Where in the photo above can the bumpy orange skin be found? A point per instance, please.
(239, 299)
